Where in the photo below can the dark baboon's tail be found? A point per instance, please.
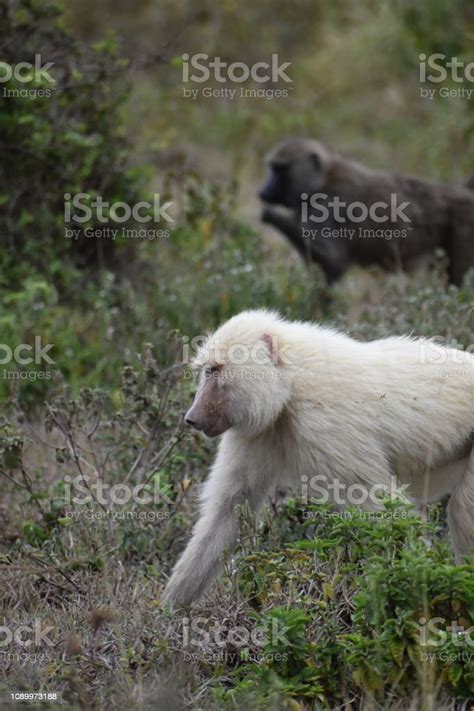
(470, 183)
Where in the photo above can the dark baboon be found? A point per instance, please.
(335, 211)
(470, 183)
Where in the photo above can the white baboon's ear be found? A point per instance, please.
(271, 344)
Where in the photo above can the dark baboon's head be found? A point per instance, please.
(470, 183)
(297, 166)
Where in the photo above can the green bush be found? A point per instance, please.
(367, 606)
(60, 132)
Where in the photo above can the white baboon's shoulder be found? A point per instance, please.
(315, 349)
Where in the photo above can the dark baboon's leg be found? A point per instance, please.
(325, 252)
(461, 241)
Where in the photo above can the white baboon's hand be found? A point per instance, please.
(217, 529)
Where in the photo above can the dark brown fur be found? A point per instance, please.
(440, 216)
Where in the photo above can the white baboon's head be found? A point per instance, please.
(244, 376)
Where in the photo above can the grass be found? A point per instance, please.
(346, 593)
(315, 610)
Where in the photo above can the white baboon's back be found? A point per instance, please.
(297, 400)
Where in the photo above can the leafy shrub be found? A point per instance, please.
(57, 137)
(367, 607)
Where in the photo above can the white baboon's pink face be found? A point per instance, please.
(210, 412)
(241, 385)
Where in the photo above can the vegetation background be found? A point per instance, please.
(349, 593)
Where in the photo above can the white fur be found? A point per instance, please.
(329, 405)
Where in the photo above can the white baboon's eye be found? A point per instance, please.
(212, 369)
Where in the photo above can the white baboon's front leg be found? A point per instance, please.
(461, 513)
(233, 480)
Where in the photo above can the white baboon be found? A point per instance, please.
(293, 400)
